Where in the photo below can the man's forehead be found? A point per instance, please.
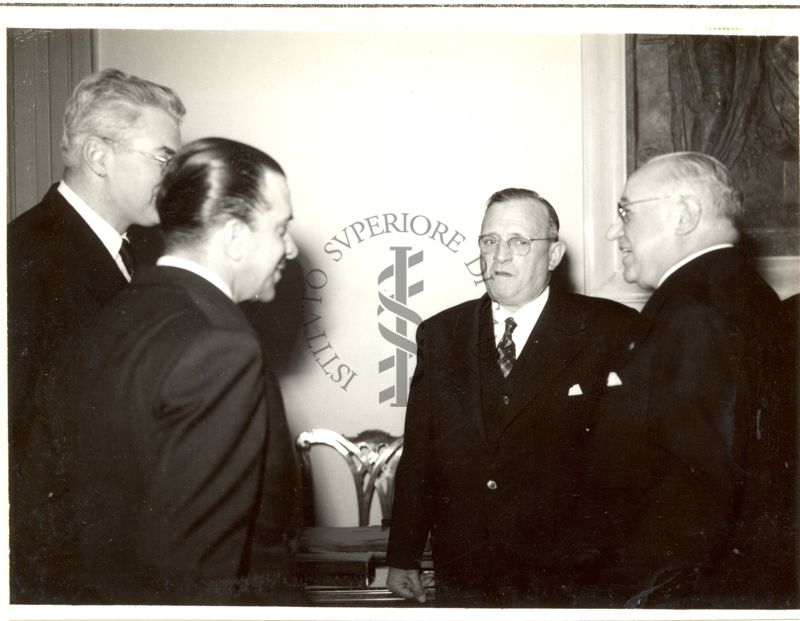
(156, 126)
(649, 178)
(523, 211)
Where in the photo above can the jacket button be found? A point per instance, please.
(506, 399)
(491, 484)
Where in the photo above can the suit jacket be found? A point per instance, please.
(59, 275)
(696, 451)
(172, 477)
(494, 477)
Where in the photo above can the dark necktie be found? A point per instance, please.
(506, 350)
(127, 256)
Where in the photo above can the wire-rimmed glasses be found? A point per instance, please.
(519, 245)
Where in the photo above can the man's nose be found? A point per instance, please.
(503, 251)
(615, 230)
(291, 247)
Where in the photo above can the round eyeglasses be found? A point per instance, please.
(519, 245)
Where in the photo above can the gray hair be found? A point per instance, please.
(108, 104)
(705, 176)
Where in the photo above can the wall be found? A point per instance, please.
(368, 124)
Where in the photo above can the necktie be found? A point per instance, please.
(506, 350)
(127, 256)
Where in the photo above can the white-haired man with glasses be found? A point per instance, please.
(70, 255)
(499, 411)
(697, 451)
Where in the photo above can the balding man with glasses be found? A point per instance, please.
(70, 255)
(697, 449)
(500, 408)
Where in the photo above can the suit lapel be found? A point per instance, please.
(559, 335)
(89, 253)
(469, 339)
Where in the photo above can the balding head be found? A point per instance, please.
(699, 174)
(672, 207)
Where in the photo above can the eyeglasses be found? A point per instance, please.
(623, 209)
(162, 160)
(519, 245)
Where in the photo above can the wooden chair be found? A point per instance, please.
(346, 565)
(372, 457)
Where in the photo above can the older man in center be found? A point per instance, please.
(500, 406)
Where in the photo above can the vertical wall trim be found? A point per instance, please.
(604, 162)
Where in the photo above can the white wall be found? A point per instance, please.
(373, 123)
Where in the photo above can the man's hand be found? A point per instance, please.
(408, 584)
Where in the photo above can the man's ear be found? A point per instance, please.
(557, 250)
(94, 154)
(689, 216)
(235, 235)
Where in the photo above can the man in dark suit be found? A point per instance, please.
(67, 255)
(174, 479)
(696, 451)
(499, 411)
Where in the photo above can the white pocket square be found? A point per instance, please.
(613, 379)
(574, 390)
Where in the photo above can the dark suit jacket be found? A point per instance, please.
(696, 452)
(59, 275)
(173, 478)
(493, 477)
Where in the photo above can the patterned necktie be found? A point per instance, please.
(506, 350)
(127, 256)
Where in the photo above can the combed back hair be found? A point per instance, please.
(706, 177)
(509, 194)
(207, 182)
(108, 104)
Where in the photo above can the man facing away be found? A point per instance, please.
(500, 407)
(175, 480)
(696, 451)
(67, 255)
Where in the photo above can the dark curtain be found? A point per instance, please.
(716, 80)
(43, 68)
(780, 62)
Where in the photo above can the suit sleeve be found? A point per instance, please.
(686, 495)
(411, 511)
(208, 472)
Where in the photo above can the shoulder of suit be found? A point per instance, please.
(46, 224)
(596, 306)
(448, 315)
(181, 292)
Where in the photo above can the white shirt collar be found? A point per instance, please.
(170, 260)
(526, 318)
(107, 234)
(691, 257)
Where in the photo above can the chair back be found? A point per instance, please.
(372, 457)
